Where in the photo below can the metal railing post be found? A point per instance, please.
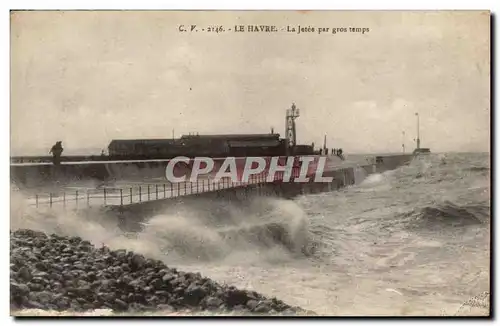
(149, 194)
(121, 197)
(164, 191)
(104, 191)
(88, 198)
(140, 194)
(50, 199)
(76, 198)
(131, 192)
(156, 186)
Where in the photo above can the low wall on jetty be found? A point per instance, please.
(392, 162)
(132, 215)
(40, 174)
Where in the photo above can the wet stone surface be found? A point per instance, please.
(53, 272)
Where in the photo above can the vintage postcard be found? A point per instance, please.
(276, 163)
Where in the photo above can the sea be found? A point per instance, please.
(415, 241)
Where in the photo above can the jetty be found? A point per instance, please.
(144, 192)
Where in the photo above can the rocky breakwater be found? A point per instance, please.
(58, 273)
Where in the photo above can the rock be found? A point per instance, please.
(156, 283)
(19, 289)
(179, 290)
(164, 295)
(35, 287)
(43, 297)
(70, 274)
(125, 267)
(120, 254)
(152, 300)
(91, 276)
(121, 305)
(137, 262)
(75, 240)
(40, 275)
(239, 307)
(168, 277)
(34, 305)
(213, 303)
(178, 281)
(136, 307)
(263, 307)
(252, 304)
(24, 273)
(237, 297)
(194, 294)
(288, 312)
(67, 250)
(165, 308)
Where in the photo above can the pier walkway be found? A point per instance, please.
(142, 193)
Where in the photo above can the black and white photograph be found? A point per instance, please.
(250, 163)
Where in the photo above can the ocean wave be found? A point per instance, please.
(448, 214)
(481, 169)
(205, 231)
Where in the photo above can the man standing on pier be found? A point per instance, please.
(56, 151)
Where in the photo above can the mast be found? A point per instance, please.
(290, 132)
(418, 130)
(403, 143)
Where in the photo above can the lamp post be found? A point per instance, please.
(403, 142)
(418, 130)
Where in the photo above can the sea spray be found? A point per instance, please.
(263, 228)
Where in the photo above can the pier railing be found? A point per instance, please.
(120, 196)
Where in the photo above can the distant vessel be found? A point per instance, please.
(419, 150)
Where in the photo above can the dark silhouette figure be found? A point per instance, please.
(339, 154)
(56, 152)
(326, 151)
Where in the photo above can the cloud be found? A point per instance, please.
(90, 77)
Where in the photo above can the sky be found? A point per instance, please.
(88, 77)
